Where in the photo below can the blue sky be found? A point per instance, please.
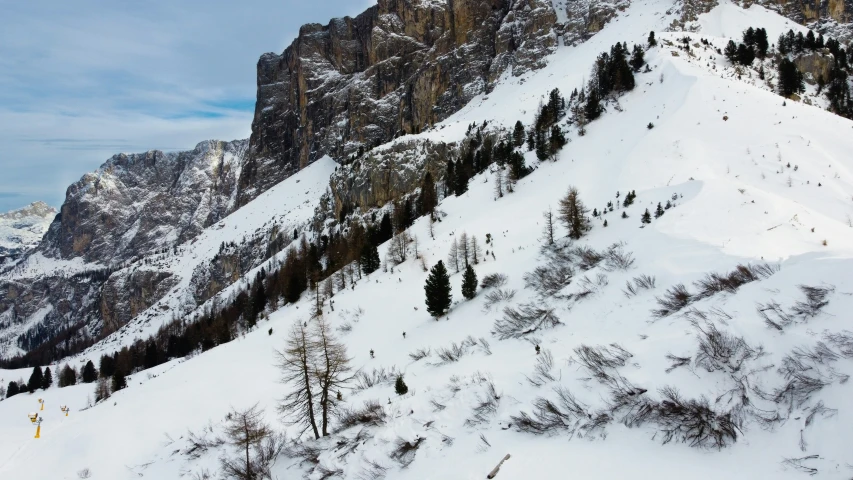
(82, 80)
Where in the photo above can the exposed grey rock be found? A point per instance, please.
(136, 204)
(129, 292)
(814, 65)
(585, 18)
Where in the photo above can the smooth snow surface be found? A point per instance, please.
(732, 206)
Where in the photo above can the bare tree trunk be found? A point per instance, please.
(335, 372)
(296, 364)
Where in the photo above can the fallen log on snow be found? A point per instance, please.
(497, 468)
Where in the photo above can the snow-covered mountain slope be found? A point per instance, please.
(22, 229)
(719, 150)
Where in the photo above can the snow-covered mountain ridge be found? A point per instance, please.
(22, 229)
(718, 149)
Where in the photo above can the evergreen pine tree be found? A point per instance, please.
(557, 141)
(745, 55)
(647, 217)
(761, 43)
(437, 289)
(36, 379)
(731, 51)
(259, 301)
(518, 134)
(624, 214)
(838, 91)
(605, 223)
(469, 283)
(119, 380)
(449, 178)
(637, 58)
(400, 387)
(13, 390)
(386, 229)
(67, 377)
(89, 372)
(47, 379)
(659, 211)
(592, 109)
(543, 147)
(369, 259)
(531, 141)
(782, 45)
(790, 78)
(749, 36)
(460, 183)
(810, 43)
(652, 42)
(573, 214)
(427, 201)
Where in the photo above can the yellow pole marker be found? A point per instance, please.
(38, 431)
(42, 404)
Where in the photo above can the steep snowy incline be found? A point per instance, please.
(733, 204)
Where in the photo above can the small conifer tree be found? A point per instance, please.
(89, 372)
(573, 214)
(47, 379)
(518, 134)
(469, 283)
(36, 379)
(647, 217)
(67, 377)
(437, 289)
(119, 381)
(369, 259)
(659, 211)
(400, 387)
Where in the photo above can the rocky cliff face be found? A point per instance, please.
(806, 12)
(128, 293)
(22, 230)
(830, 17)
(386, 175)
(584, 18)
(135, 204)
(398, 67)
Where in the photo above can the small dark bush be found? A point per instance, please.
(493, 280)
(524, 320)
